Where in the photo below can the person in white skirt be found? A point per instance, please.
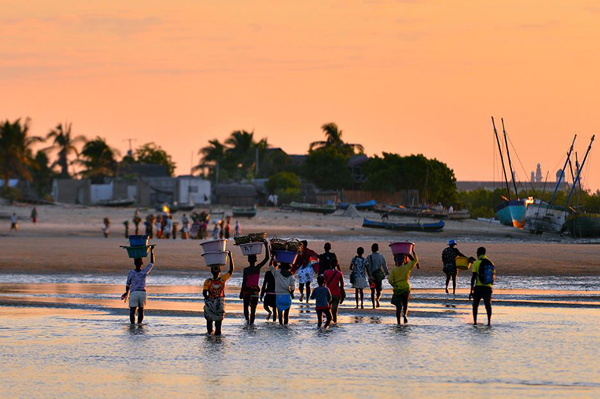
(358, 277)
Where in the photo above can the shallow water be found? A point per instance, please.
(546, 352)
(74, 339)
(568, 283)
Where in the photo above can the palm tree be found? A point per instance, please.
(212, 156)
(241, 147)
(65, 144)
(333, 137)
(16, 156)
(98, 159)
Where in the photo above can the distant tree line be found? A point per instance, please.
(241, 156)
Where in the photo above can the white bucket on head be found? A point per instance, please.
(252, 248)
(215, 258)
(214, 245)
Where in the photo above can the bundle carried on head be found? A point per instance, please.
(291, 245)
(248, 238)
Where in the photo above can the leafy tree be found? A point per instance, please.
(393, 172)
(213, 156)
(327, 168)
(151, 153)
(98, 159)
(16, 158)
(283, 180)
(64, 142)
(333, 139)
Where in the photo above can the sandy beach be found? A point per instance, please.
(68, 239)
(61, 319)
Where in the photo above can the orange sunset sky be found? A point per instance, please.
(405, 76)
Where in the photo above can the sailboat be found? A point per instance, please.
(511, 212)
(582, 224)
(542, 216)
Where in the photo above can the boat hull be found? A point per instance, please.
(517, 213)
(426, 227)
(584, 225)
(541, 217)
(503, 214)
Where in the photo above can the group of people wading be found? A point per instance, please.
(278, 286)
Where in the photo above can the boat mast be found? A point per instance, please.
(501, 158)
(562, 173)
(579, 170)
(512, 174)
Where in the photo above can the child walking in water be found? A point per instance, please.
(214, 296)
(250, 285)
(267, 294)
(323, 302)
(284, 290)
(399, 276)
(358, 278)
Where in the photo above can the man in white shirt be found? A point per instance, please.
(14, 225)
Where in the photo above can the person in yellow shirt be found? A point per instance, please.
(399, 276)
(481, 290)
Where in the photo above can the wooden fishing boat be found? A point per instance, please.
(415, 226)
(315, 208)
(116, 202)
(244, 212)
(543, 217)
(362, 206)
(584, 225)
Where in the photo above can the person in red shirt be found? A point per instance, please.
(334, 280)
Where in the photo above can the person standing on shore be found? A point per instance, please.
(399, 276)
(250, 286)
(358, 277)
(484, 274)
(334, 279)
(323, 298)
(284, 290)
(106, 228)
(135, 288)
(238, 228)
(214, 297)
(376, 270)
(327, 260)
(34, 215)
(227, 229)
(14, 223)
(449, 255)
(267, 294)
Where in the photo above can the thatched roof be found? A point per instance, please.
(235, 190)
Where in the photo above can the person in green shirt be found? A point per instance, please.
(399, 276)
(479, 290)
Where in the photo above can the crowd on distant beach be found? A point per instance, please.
(279, 284)
(162, 225)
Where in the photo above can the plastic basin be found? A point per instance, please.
(138, 240)
(215, 258)
(252, 248)
(285, 256)
(462, 263)
(402, 247)
(138, 251)
(214, 245)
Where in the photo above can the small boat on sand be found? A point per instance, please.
(315, 208)
(244, 212)
(414, 226)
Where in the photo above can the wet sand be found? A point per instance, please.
(68, 239)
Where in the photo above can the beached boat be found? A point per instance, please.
(584, 225)
(362, 206)
(414, 226)
(503, 214)
(315, 208)
(543, 217)
(244, 212)
(116, 202)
